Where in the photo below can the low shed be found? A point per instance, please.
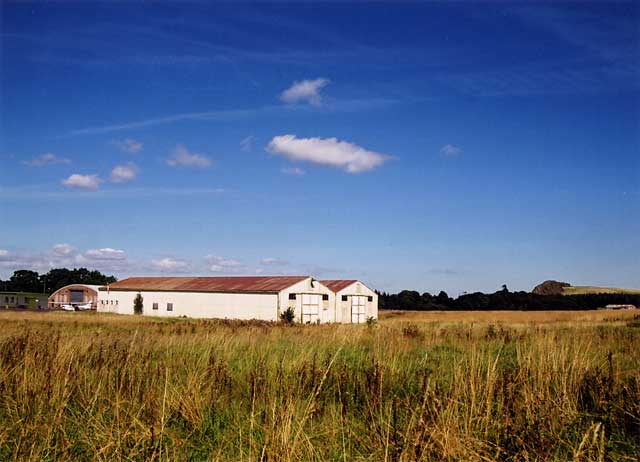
(239, 297)
(23, 300)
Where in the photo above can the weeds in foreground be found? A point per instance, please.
(108, 388)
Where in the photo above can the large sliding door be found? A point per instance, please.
(310, 308)
(358, 309)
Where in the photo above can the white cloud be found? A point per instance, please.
(222, 265)
(76, 180)
(305, 91)
(449, 150)
(183, 158)
(63, 249)
(46, 159)
(106, 253)
(129, 145)
(67, 256)
(4, 253)
(170, 264)
(259, 270)
(273, 262)
(293, 171)
(247, 143)
(123, 173)
(17, 261)
(327, 151)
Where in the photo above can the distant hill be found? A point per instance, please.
(550, 288)
(578, 290)
(564, 288)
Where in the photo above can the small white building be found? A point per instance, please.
(238, 297)
(620, 307)
(354, 301)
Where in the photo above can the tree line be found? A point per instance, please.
(500, 300)
(31, 281)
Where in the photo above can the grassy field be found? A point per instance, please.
(579, 290)
(492, 386)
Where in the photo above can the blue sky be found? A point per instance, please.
(425, 146)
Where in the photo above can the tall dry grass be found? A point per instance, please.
(92, 387)
(511, 318)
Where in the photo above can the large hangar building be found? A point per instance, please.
(240, 297)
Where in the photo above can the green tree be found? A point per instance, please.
(409, 300)
(443, 299)
(60, 277)
(288, 316)
(25, 281)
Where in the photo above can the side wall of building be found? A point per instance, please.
(344, 302)
(228, 305)
(193, 304)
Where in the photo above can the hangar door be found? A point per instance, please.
(358, 309)
(310, 308)
(77, 296)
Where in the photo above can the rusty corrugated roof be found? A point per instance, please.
(336, 285)
(251, 284)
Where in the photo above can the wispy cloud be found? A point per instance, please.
(46, 159)
(327, 151)
(449, 150)
(169, 264)
(166, 33)
(605, 37)
(270, 261)
(305, 91)
(545, 79)
(23, 193)
(230, 114)
(246, 144)
(218, 264)
(106, 259)
(353, 105)
(297, 171)
(63, 249)
(60, 255)
(106, 253)
(123, 173)
(183, 158)
(128, 145)
(118, 260)
(78, 181)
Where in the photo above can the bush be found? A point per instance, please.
(288, 316)
(411, 331)
(138, 305)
